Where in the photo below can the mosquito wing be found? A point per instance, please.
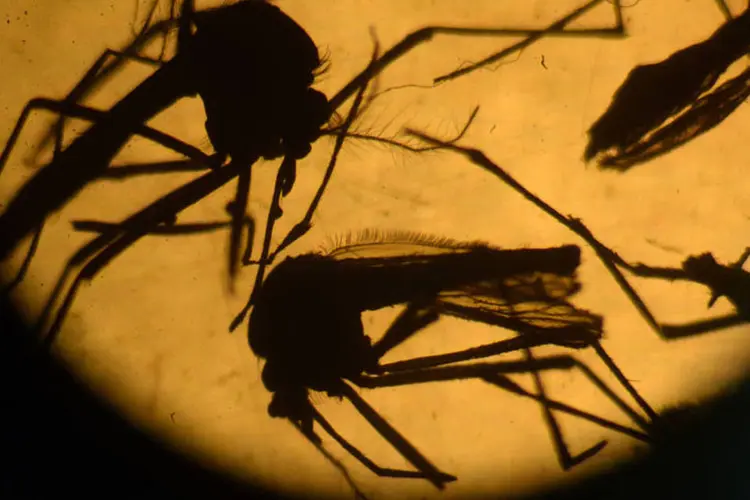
(708, 112)
(653, 93)
(532, 303)
(384, 269)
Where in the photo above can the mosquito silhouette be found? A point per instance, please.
(257, 107)
(664, 105)
(307, 325)
(731, 281)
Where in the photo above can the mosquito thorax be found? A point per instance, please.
(306, 326)
(253, 66)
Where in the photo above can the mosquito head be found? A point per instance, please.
(253, 67)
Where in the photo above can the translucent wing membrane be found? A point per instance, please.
(576, 327)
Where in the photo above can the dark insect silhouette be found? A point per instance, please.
(307, 325)
(663, 105)
(253, 67)
(723, 280)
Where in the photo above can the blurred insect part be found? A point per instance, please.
(731, 281)
(307, 325)
(277, 115)
(663, 105)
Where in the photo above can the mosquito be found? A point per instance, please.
(269, 113)
(731, 280)
(307, 325)
(661, 106)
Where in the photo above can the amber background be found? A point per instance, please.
(150, 334)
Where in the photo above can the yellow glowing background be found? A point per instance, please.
(151, 333)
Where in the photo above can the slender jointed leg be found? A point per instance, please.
(102, 69)
(73, 110)
(495, 374)
(390, 434)
(364, 460)
(423, 35)
(316, 441)
(239, 214)
(108, 245)
(414, 318)
(86, 86)
(524, 341)
(566, 459)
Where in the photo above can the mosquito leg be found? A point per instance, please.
(316, 441)
(505, 383)
(423, 35)
(362, 458)
(699, 327)
(624, 381)
(195, 154)
(495, 373)
(83, 112)
(390, 434)
(413, 319)
(26, 261)
(94, 226)
(85, 86)
(608, 258)
(125, 171)
(238, 213)
(405, 367)
(108, 245)
(557, 26)
(617, 400)
(567, 461)
(524, 340)
(725, 9)
(274, 212)
(100, 70)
